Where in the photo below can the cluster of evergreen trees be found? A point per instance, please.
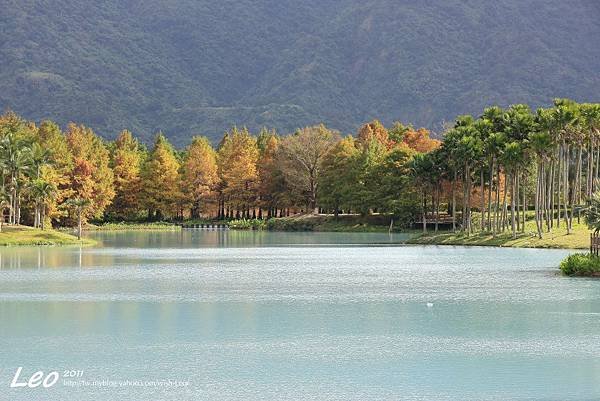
(498, 166)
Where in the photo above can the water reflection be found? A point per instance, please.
(251, 315)
(235, 238)
(15, 258)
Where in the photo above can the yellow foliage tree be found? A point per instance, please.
(59, 171)
(127, 163)
(200, 175)
(374, 131)
(237, 158)
(420, 140)
(91, 178)
(160, 180)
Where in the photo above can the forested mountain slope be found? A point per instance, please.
(197, 66)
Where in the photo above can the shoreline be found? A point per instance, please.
(12, 236)
(556, 239)
(578, 240)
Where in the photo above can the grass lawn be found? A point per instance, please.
(24, 235)
(557, 238)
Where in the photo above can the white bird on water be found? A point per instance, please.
(430, 304)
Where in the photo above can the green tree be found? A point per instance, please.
(41, 192)
(338, 181)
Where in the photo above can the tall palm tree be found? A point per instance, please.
(15, 156)
(469, 151)
(542, 146)
(422, 171)
(513, 158)
(41, 192)
(79, 206)
(4, 204)
(592, 212)
(40, 157)
(564, 118)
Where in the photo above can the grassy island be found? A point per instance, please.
(24, 235)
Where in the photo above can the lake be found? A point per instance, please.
(260, 316)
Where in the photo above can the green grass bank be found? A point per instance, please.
(579, 238)
(23, 235)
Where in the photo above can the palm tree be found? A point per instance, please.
(4, 204)
(513, 157)
(41, 191)
(564, 117)
(449, 150)
(40, 157)
(15, 156)
(592, 212)
(542, 145)
(469, 151)
(80, 206)
(421, 168)
(484, 129)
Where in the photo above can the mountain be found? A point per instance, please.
(198, 67)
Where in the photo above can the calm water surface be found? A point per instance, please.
(246, 315)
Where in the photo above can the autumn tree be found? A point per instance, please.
(420, 140)
(300, 158)
(374, 130)
(58, 171)
(91, 178)
(237, 157)
(127, 159)
(200, 175)
(160, 180)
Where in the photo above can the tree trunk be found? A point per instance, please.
(437, 208)
(513, 189)
(454, 202)
(497, 203)
(79, 225)
(559, 192)
(518, 201)
(489, 212)
(566, 189)
(424, 212)
(538, 193)
(468, 202)
(482, 200)
(505, 204)
(524, 205)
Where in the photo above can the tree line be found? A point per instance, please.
(484, 174)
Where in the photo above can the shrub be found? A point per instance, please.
(247, 224)
(581, 264)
